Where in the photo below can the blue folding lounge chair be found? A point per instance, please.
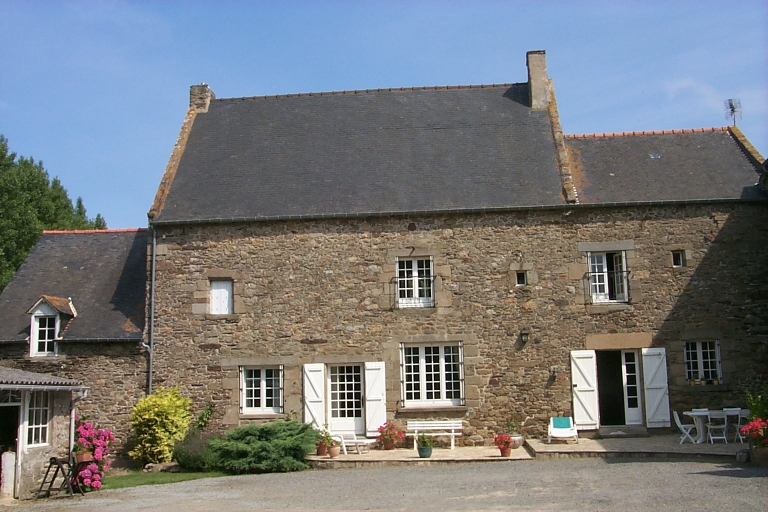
(562, 428)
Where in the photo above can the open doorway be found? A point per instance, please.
(618, 388)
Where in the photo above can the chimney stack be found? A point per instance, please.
(200, 97)
(538, 81)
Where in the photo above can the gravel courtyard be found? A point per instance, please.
(562, 484)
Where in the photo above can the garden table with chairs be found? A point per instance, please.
(716, 426)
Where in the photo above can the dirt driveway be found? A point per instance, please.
(562, 484)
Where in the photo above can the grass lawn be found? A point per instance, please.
(136, 478)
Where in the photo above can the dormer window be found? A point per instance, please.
(48, 313)
(46, 336)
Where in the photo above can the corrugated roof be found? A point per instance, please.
(10, 377)
(104, 272)
(398, 151)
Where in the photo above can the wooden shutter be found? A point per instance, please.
(584, 382)
(314, 394)
(375, 398)
(656, 392)
(221, 297)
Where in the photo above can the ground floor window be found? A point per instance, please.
(702, 361)
(432, 374)
(38, 417)
(261, 390)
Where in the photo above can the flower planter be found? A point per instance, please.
(759, 455)
(517, 440)
(322, 448)
(425, 452)
(83, 457)
(506, 452)
(334, 451)
(388, 445)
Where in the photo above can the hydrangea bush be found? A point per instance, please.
(94, 441)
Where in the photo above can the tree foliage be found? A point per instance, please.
(29, 203)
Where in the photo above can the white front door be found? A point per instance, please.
(584, 382)
(345, 384)
(633, 411)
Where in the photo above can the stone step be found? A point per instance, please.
(622, 432)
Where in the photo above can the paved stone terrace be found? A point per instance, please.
(666, 446)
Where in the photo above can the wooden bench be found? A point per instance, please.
(434, 428)
(351, 440)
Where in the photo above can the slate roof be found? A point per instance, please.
(365, 152)
(702, 164)
(104, 272)
(11, 378)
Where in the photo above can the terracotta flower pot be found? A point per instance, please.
(759, 455)
(388, 445)
(506, 452)
(322, 448)
(83, 457)
(334, 451)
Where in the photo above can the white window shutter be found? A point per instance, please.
(656, 392)
(314, 394)
(584, 380)
(221, 297)
(375, 398)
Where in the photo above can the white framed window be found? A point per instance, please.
(608, 277)
(432, 374)
(261, 390)
(45, 330)
(38, 417)
(415, 283)
(702, 361)
(521, 278)
(678, 259)
(221, 297)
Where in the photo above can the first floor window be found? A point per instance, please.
(261, 390)
(46, 335)
(608, 277)
(702, 361)
(678, 259)
(38, 417)
(432, 374)
(415, 280)
(221, 297)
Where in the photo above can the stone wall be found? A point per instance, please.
(115, 372)
(320, 291)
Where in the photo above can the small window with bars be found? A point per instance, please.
(432, 374)
(261, 390)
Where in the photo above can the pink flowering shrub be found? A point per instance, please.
(756, 431)
(94, 441)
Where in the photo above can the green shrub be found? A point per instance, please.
(158, 421)
(275, 447)
(758, 403)
(193, 454)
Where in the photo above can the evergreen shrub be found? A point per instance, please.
(275, 447)
(158, 421)
(193, 453)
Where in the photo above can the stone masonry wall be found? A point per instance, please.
(319, 291)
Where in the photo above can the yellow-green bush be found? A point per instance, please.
(158, 421)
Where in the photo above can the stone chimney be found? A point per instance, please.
(200, 97)
(538, 81)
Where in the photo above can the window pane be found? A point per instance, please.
(411, 370)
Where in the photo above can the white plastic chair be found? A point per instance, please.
(562, 428)
(350, 440)
(685, 428)
(743, 420)
(716, 429)
(732, 411)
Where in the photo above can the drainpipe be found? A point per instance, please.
(151, 346)
(72, 423)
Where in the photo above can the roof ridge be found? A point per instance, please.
(647, 132)
(369, 91)
(91, 231)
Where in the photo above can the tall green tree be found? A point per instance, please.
(29, 203)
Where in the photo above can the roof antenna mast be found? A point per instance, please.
(733, 109)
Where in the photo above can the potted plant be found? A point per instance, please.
(389, 434)
(324, 442)
(756, 431)
(511, 426)
(334, 448)
(424, 446)
(504, 443)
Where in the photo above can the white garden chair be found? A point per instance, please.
(562, 428)
(685, 428)
(717, 426)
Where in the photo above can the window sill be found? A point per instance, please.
(262, 416)
(704, 388)
(607, 307)
(45, 359)
(416, 311)
(233, 317)
(416, 410)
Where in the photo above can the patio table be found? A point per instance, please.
(698, 419)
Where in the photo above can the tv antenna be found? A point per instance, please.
(733, 109)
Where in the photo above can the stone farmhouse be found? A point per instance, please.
(71, 334)
(447, 252)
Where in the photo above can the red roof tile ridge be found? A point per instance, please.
(91, 231)
(646, 132)
(369, 91)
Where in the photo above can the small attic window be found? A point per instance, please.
(654, 155)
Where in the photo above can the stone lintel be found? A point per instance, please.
(619, 341)
(616, 245)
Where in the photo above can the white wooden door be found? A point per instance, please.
(345, 391)
(656, 392)
(630, 370)
(314, 394)
(375, 398)
(584, 382)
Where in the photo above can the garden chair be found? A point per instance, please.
(716, 428)
(743, 420)
(562, 428)
(685, 428)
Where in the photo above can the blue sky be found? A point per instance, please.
(98, 90)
